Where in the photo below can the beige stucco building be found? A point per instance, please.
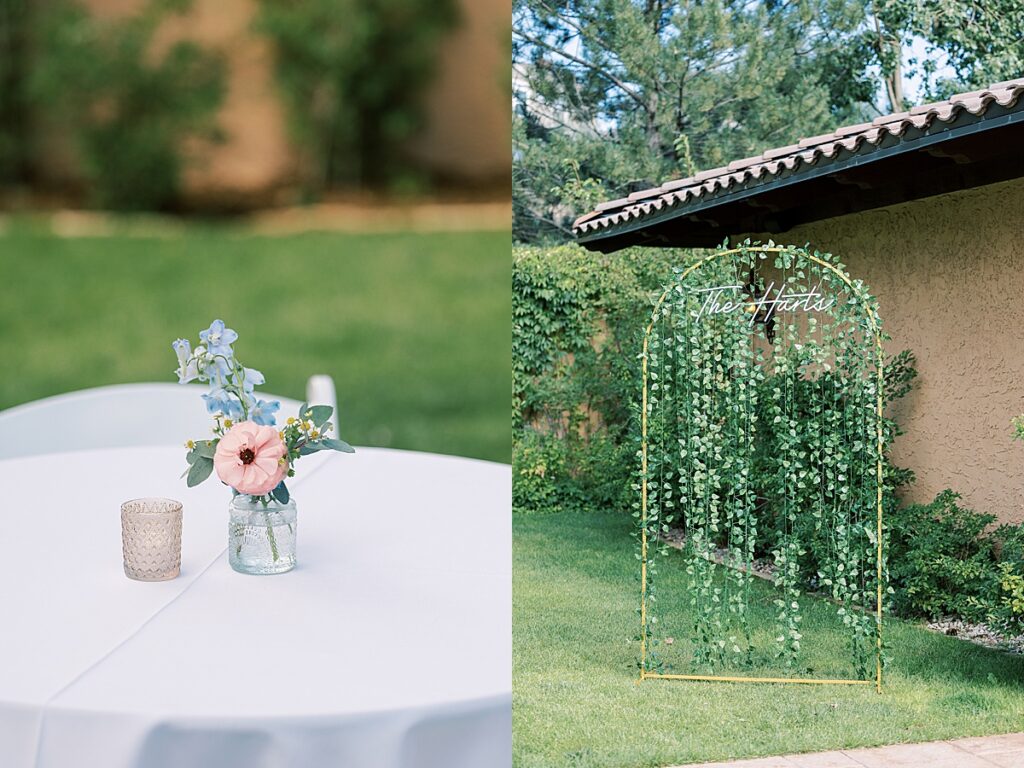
(926, 207)
(948, 273)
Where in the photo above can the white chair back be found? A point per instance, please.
(113, 417)
(320, 391)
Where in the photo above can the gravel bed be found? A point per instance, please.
(963, 630)
(977, 633)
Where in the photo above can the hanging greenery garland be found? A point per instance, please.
(762, 435)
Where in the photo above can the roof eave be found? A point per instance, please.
(648, 229)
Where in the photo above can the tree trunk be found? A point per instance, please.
(894, 82)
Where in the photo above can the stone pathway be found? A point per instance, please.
(981, 752)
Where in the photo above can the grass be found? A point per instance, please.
(414, 328)
(577, 702)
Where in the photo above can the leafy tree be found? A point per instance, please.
(630, 92)
(981, 42)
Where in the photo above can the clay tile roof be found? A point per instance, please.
(792, 159)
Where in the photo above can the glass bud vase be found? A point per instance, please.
(261, 538)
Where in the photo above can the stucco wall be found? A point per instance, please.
(948, 273)
(466, 139)
(469, 105)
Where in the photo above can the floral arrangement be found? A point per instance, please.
(249, 453)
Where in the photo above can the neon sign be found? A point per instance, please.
(721, 300)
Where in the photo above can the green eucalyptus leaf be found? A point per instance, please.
(201, 469)
(281, 493)
(321, 413)
(206, 448)
(337, 445)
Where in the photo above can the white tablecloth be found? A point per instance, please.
(389, 645)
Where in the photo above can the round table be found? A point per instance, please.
(389, 645)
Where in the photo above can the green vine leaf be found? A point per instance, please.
(759, 441)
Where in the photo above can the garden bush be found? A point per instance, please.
(944, 560)
(542, 481)
(1005, 607)
(940, 561)
(130, 111)
(575, 372)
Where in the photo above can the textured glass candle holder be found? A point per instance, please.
(151, 539)
(261, 539)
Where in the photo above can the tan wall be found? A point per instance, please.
(468, 132)
(469, 107)
(948, 273)
(256, 160)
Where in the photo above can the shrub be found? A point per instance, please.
(576, 319)
(551, 474)
(941, 563)
(129, 111)
(353, 74)
(541, 482)
(1005, 609)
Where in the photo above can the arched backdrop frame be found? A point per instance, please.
(874, 325)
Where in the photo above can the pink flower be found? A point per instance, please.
(248, 458)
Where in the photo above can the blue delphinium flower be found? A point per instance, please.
(232, 386)
(220, 401)
(216, 370)
(263, 412)
(248, 398)
(188, 368)
(249, 379)
(218, 339)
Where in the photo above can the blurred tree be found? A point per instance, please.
(129, 110)
(353, 72)
(14, 27)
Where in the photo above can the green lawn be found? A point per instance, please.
(577, 701)
(414, 328)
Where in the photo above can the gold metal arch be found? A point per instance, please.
(879, 366)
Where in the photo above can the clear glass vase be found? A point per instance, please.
(261, 538)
